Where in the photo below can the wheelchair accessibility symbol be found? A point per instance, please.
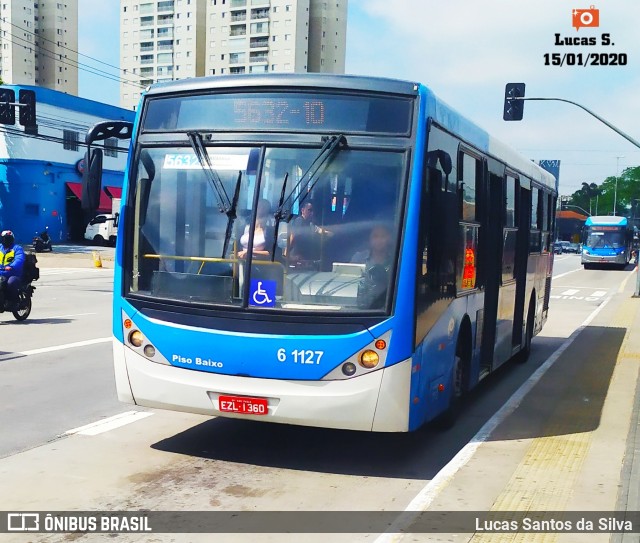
(262, 293)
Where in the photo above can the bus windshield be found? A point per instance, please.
(332, 248)
(608, 240)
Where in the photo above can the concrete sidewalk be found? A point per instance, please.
(571, 445)
(76, 256)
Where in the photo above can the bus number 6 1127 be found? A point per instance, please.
(300, 356)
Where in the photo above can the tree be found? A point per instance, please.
(628, 192)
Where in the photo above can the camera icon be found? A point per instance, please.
(588, 18)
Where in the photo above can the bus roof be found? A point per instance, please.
(606, 220)
(435, 108)
(274, 80)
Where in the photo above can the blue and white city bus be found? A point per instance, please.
(606, 240)
(421, 266)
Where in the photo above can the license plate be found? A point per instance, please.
(243, 405)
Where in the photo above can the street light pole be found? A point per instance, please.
(615, 193)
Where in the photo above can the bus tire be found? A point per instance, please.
(525, 352)
(459, 381)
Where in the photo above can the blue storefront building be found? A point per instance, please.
(41, 174)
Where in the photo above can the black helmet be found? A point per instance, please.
(7, 238)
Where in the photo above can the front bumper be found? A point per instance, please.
(604, 259)
(377, 401)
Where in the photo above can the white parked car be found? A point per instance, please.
(103, 229)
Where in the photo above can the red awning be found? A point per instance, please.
(105, 203)
(105, 200)
(115, 192)
(76, 188)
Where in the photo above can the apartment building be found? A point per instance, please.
(174, 39)
(39, 43)
(160, 40)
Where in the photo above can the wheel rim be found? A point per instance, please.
(24, 307)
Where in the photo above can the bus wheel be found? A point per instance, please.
(449, 417)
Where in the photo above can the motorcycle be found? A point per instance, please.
(42, 242)
(22, 308)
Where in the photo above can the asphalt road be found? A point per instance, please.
(176, 461)
(48, 385)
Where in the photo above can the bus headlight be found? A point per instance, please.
(349, 368)
(369, 359)
(585, 251)
(136, 338)
(149, 351)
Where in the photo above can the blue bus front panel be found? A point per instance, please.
(300, 377)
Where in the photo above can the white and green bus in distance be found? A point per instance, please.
(606, 240)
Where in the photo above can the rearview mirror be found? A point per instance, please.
(92, 181)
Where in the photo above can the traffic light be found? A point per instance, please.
(27, 116)
(513, 108)
(7, 109)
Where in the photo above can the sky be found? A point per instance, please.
(466, 51)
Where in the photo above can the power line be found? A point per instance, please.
(52, 139)
(65, 47)
(80, 66)
(69, 62)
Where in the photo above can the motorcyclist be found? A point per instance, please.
(11, 264)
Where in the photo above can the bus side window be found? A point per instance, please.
(439, 209)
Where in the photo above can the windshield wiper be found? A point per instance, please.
(231, 214)
(331, 143)
(224, 204)
(278, 217)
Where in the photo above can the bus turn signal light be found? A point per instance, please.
(381, 344)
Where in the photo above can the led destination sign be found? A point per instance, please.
(280, 112)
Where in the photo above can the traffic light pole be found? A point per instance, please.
(26, 105)
(514, 93)
(615, 129)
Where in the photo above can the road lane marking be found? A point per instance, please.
(432, 489)
(566, 273)
(66, 346)
(110, 423)
(631, 274)
(62, 271)
(570, 292)
(599, 293)
(66, 316)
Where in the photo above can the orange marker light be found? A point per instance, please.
(127, 323)
(381, 344)
(440, 387)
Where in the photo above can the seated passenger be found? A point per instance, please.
(305, 238)
(263, 234)
(378, 260)
(380, 250)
